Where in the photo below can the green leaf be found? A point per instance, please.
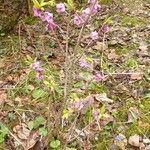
(38, 93)
(147, 96)
(38, 121)
(78, 84)
(31, 125)
(70, 5)
(55, 144)
(36, 4)
(132, 63)
(102, 111)
(1, 138)
(43, 132)
(66, 114)
(3, 132)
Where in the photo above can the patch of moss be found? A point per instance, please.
(132, 63)
(121, 114)
(121, 51)
(102, 145)
(136, 128)
(29, 20)
(129, 21)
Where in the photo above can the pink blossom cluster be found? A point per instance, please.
(84, 64)
(98, 77)
(39, 70)
(79, 20)
(47, 17)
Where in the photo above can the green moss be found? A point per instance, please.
(122, 51)
(135, 128)
(29, 20)
(102, 145)
(131, 21)
(132, 63)
(121, 114)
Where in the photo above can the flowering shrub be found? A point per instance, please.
(77, 20)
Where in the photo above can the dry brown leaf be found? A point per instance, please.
(22, 132)
(137, 76)
(133, 114)
(112, 55)
(26, 137)
(100, 46)
(31, 141)
(3, 97)
(103, 98)
(105, 120)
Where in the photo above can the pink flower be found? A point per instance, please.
(86, 13)
(94, 35)
(83, 64)
(105, 28)
(91, 1)
(96, 8)
(98, 77)
(77, 20)
(60, 8)
(50, 26)
(47, 17)
(40, 70)
(36, 12)
(36, 65)
(95, 114)
(78, 105)
(39, 76)
(39, 73)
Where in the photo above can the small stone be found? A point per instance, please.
(142, 146)
(146, 141)
(31, 87)
(134, 140)
(147, 147)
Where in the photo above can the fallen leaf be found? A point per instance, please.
(103, 98)
(100, 46)
(25, 136)
(3, 97)
(133, 114)
(112, 55)
(137, 76)
(22, 132)
(31, 141)
(106, 119)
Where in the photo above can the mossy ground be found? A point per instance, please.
(16, 61)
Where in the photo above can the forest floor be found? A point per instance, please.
(25, 113)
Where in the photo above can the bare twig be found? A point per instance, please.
(71, 131)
